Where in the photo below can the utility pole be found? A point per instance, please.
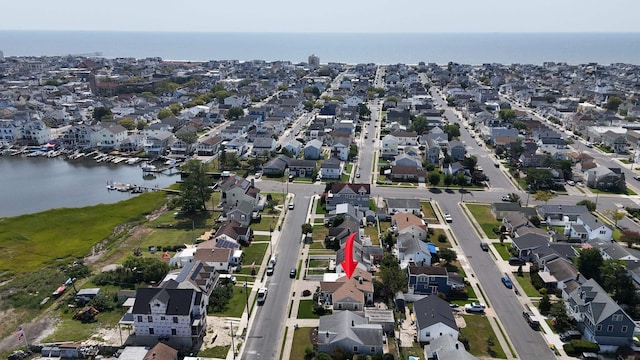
(233, 347)
(246, 295)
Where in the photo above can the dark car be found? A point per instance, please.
(516, 261)
(571, 335)
(484, 246)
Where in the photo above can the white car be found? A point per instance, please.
(474, 307)
(262, 295)
(506, 198)
(448, 218)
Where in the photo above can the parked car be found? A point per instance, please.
(589, 145)
(506, 198)
(507, 282)
(636, 177)
(448, 218)
(531, 320)
(293, 272)
(516, 261)
(571, 183)
(570, 335)
(262, 295)
(292, 205)
(484, 246)
(474, 307)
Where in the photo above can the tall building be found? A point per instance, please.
(1, 56)
(314, 61)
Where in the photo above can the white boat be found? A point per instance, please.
(146, 167)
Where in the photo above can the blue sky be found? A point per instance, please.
(324, 16)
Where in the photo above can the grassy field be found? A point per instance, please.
(254, 254)
(31, 242)
(301, 341)
(320, 210)
(434, 239)
(219, 352)
(266, 222)
(236, 305)
(525, 282)
(305, 310)
(74, 330)
(320, 232)
(372, 232)
(503, 250)
(478, 330)
(428, 214)
(482, 214)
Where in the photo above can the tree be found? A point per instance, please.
(539, 178)
(188, 137)
(588, 263)
(101, 112)
(220, 297)
(613, 103)
(420, 124)
(363, 111)
(520, 125)
(175, 109)
(141, 125)
(235, 112)
(591, 206)
(434, 178)
(545, 304)
(513, 197)
(507, 114)
(448, 179)
(194, 189)
(616, 215)
(164, 113)
(353, 151)
(470, 162)
(448, 255)
(544, 196)
(306, 229)
(452, 130)
(616, 281)
(127, 123)
(390, 279)
(630, 237)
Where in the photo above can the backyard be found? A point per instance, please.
(478, 331)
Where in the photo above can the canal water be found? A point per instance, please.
(29, 185)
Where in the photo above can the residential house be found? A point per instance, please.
(340, 148)
(313, 150)
(331, 169)
(525, 245)
(36, 132)
(79, 137)
(232, 234)
(405, 138)
(561, 214)
(293, 146)
(407, 160)
(10, 131)
(395, 205)
(431, 280)
(457, 150)
(157, 142)
(588, 227)
(302, 168)
(389, 146)
(276, 166)
(131, 144)
(357, 195)
(604, 178)
(262, 146)
(409, 223)
(514, 220)
(500, 209)
(236, 189)
(218, 258)
(599, 317)
(349, 332)
(411, 250)
(434, 318)
(348, 293)
(557, 272)
(406, 173)
(209, 145)
(238, 146)
(446, 347)
(615, 141)
(242, 212)
(433, 152)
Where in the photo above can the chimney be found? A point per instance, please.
(456, 346)
(353, 323)
(327, 334)
(252, 183)
(360, 279)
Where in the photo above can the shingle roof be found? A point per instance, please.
(432, 310)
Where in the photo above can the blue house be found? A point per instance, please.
(599, 317)
(428, 280)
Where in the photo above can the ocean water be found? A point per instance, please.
(506, 48)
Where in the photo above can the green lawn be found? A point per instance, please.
(434, 239)
(525, 282)
(318, 263)
(74, 330)
(428, 214)
(317, 245)
(372, 232)
(305, 310)
(265, 222)
(478, 330)
(503, 250)
(320, 210)
(482, 214)
(301, 341)
(236, 305)
(254, 253)
(31, 242)
(320, 232)
(219, 352)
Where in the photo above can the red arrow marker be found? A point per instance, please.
(348, 264)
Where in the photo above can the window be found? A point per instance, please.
(599, 328)
(150, 318)
(609, 328)
(373, 349)
(616, 317)
(355, 349)
(602, 232)
(175, 319)
(174, 332)
(162, 318)
(151, 332)
(139, 318)
(624, 328)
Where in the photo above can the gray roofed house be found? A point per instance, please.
(526, 244)
(456, 150)
(276, 166)
(313, 149)
(501, 209)
(294, 146)
(350, 332)
(412, 250)
(331, 168)
(599, 317)
(241, 212)
(301, 168)
(588, 227)
(262, 145)
(558, 271)
(434, 318)
(447, 347)
(555, 250)
(396, 205)
(561, 214)
(347, 210)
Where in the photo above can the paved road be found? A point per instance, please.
(267, 329)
